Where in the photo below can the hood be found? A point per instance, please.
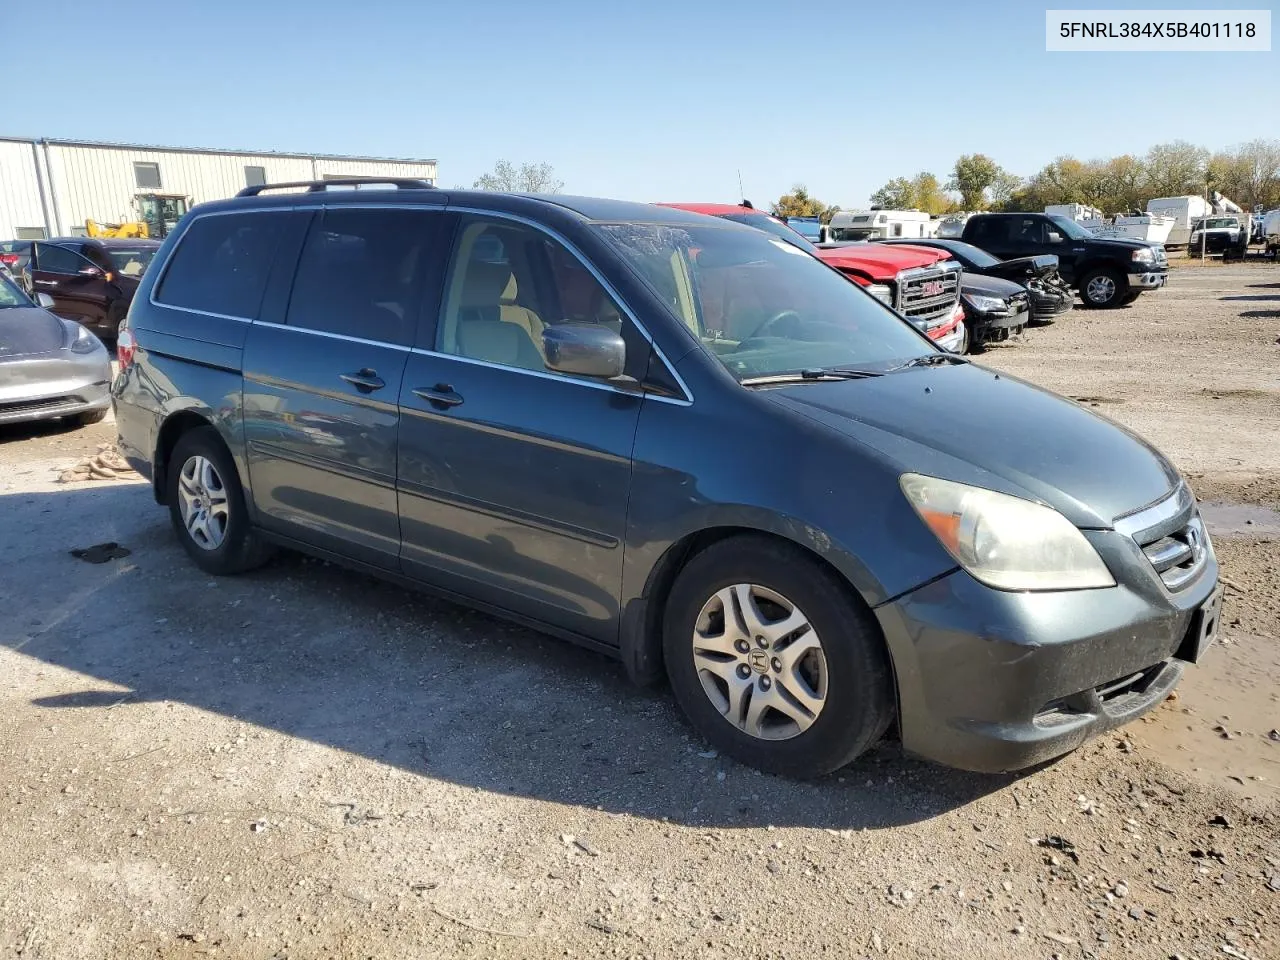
(29, 331)
(971, 425)
(880, 262)
(1024, 268)
(976, 283)
(1120, 243)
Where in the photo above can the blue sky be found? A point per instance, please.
(657, 100)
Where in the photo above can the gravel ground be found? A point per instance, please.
(307, 763)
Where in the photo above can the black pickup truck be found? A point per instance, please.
(1107, 271)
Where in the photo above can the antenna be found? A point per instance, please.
(742, 194)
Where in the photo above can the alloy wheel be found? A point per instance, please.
(760, 661)
(202, 499)
(1101, 289)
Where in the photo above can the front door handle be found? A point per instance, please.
(45, 283)
(441, 396)
(365, 380)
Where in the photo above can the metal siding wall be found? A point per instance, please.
(19, 189)
(98, 183)
(373, 168)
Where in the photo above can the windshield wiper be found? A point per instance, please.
(930, 360)
(811, 375)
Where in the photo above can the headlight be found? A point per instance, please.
(986, 304)
(1145, 255)
(84, 341)
(881, 292)
(1003, 541)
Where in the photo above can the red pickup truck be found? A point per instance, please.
(922, 284)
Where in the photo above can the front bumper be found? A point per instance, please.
(994, 681)
(1148, 280)
(1050, 304)
(54, 385)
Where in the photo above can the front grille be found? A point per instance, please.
(1115, 697)
(1171, 536)
(36, 406)
(928, 294)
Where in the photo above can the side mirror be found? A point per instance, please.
(1055, 237)
(584, 350)
(44, 300)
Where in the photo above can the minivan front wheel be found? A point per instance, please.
(207, 508)
(774, 660)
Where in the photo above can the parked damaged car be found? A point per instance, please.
(676, 440)
(1050, 296)
(49, 367)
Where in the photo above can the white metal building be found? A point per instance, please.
(50, 188)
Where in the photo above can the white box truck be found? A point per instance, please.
(1185, 211)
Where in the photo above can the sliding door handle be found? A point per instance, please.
(441, 396)
(364, 380)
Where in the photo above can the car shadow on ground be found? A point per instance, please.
(341, 659)
(1256, 297)
(30, 430)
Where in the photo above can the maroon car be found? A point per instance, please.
(91, 281)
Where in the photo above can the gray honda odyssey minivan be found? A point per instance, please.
(675, 439)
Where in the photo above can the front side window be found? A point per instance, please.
(761, 306)
(221, 264)
(10, 295)
(1070, 228)
(507, 283)
(362, 273)
(131, 261)
(55, 259)
(147, 175)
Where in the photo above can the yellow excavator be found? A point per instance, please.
(128, 231)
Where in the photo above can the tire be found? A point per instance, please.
(115, 316)
(1103, 289)
(91, 417)
(220, 540)
(846, 682)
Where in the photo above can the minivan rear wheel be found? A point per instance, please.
(207, 508)
(774, 660)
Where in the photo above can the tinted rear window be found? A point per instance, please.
(362, 273)
(222, 263)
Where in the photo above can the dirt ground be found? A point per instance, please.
(306, 763)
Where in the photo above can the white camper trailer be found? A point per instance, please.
(1184, 211)
(1271, 231)
(1080, 212)
(882, 224)
(1151, 227)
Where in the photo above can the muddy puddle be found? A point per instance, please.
(1240, 520)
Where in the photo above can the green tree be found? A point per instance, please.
(1003, 187)
(798, 203)
(1175, 169)
(527, 178)
(897, 194)
(972, 175)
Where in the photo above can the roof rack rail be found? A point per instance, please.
(320, 186)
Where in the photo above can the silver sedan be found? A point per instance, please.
(49, 367)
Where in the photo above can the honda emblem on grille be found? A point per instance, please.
(1195, 542)
(931, 288)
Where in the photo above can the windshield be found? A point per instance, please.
(1071, 228)
(762, 222)
(761, 306)
(980, 259)
(1214, 223)
(10, 295)
(132, 261)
